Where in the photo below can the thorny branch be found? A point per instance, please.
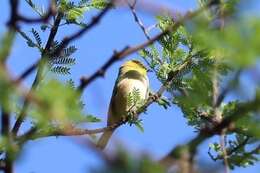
(137, 19)
(85, 81)
(140, 24)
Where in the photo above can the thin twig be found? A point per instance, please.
(5, 130)
(224, 150)
(14, 13)
(141, 25)
(5, 126)
(5, 115)
(230, 151)
(137, 19)
(218, 100)
(226, 90)
(68, 131)
(218, 116)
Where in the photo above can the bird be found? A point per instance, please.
(132, 76)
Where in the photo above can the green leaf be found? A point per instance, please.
(229, 44)
(44, 27)
(92, 119)
(99, 4)
(39, 10)
(37, 37)
(29, 41)
(164, 103)
(72, 12)
(6, 44)
(61, 70)
(8, 95)
(134, 100)
(76, 13)
(139, 125)
(215, 146)
(61, 104)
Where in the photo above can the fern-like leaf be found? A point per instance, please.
(29, 41)
(136, 95)
(55, 44)
(63, 61)
(83, 3)
(61, 70)
(99, 4)
(37, 37)
(69, 51)
(129, 100)
(39, 10)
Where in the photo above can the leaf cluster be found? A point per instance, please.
(73, 11)
(134, 102)
(242, 151)
(189, 68)
(61, 109)
(190, 59)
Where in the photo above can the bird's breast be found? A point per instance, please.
(118, 106)
(127, 86)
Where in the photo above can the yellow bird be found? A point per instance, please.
(132, 76)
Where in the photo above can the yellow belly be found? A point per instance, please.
(119, 108)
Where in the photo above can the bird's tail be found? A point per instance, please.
(103, 140)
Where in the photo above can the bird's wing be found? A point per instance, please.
(110, 119)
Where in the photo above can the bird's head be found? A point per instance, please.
(133, 65)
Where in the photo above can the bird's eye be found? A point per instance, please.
(149, 70)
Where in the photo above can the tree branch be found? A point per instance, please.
(5, 115)
(137, 19)
(140, 24)
(14, 13)
(33, 134)
(224, 150)
(5, 130)
(217, 129)
(233, 150)
(37, 79)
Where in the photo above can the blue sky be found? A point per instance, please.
(163, 129)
